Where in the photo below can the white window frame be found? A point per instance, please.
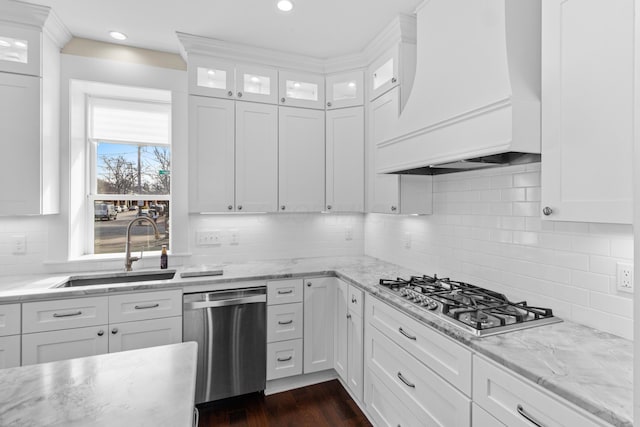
(91, 173)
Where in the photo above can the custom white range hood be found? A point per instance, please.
(475, 100)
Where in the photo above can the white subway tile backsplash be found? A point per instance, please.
(498, 239)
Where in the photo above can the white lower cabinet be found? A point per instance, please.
(42, 347)
(319, 302)
(144, 333)
(425, 393)
(481, 418)
(385, 407)
(284, 359)
(9, 351)
(348, 337)
(518, 403)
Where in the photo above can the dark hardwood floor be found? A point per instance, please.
(325, 404)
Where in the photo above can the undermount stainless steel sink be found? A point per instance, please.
(119, 277)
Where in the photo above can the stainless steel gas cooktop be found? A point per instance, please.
(474, 309)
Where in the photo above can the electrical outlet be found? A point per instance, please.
(407, 240)
(19, 244)
(235, 236)
(208, 238)
(348, 233)
(624, 277)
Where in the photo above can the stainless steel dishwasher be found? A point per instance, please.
(230, 329)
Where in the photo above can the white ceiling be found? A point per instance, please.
(318, 28)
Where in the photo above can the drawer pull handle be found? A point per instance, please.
(404, 380)
(290, 291)
(288, 322)
(286, 359)
(76, 313)
(144, 307)
(411, 337)
(528, 417)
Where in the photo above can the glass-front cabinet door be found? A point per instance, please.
(20, 50)
(383, 73)
(257, 84)
(209, 77)
(301, 90)
(345, 90)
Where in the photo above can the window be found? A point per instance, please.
(129, 158)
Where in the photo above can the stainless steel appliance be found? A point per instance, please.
(230, 329)
(477, 310)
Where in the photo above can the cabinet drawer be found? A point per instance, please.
(284, 359)
(386, 408)
(64, 314)
(52, 346)
(145, 305)
(145, 333)
(284, 322)
(356, 300)
(9, 319)
(482, 418)
(448, 359)
(9, 351)
(433, 400)
(509, 399)
(284, 291)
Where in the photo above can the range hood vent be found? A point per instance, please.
(475, 101)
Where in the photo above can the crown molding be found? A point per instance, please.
(22, 13)
(402, 29)
(57, 31)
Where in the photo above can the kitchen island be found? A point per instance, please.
(149, 387)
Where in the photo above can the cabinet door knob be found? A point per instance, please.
(114, 331)
(239, 207)
(393, 208)
(230, 93)
(283, 99)
(547, 211)
(100, 333)
(348, 316)
(329, 104)
(239, 94)
(393, 80)
(230, 207)
(353, 299)
(328, 207)
(282, 207)
(309, 284)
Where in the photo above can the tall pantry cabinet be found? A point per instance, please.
(32, 37)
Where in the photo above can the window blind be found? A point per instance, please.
(130, 121)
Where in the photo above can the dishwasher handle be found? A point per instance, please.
(225, 302)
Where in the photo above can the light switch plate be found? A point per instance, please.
(19, 244)
(208, 238)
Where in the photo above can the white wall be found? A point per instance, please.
(486, 229)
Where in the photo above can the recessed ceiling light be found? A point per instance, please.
(211, 72)
(285, 5)
(117, 35)
(352, 84)
(4, 43)
(19, 44)
(254, 79)
(296, 85)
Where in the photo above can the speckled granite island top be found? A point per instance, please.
(149, 387)
(592, 369)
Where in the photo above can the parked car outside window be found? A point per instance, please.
(105, 211)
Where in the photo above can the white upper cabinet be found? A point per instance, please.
(345, 90)
(345, 160)
(257, 84)
(301, 90)
(211, 154)
(222, 79)
(587, 111)
(301, 166)
(393, 194)
(256, 157)
(384, 73)
(20, 49)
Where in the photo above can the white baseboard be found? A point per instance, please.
(290, 383)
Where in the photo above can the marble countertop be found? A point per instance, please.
(590, 368)
(129, 388)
